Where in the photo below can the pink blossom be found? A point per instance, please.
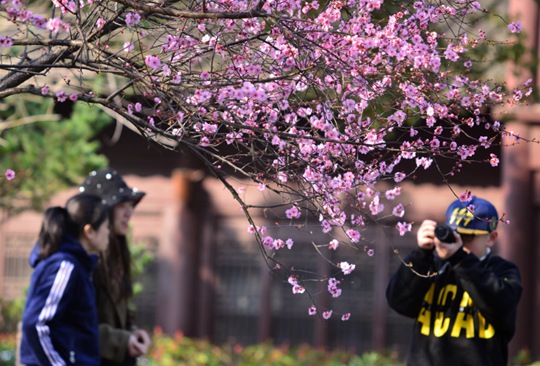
(346, 268)
(403, 227)
(268, 241)
(138, 107)
(392, 193)
(312, 310)
(55, 25)
(293, 280)
(132, 19)
(177, 78)
(494, 160)
(515, 27)
(326, 227)
(9, 174)
(209, 128)
(332, 282)
(333, 288)
(73, 97)
(293, 213)
(327, 314)
(297, 289)
(205, 141)
(289, 243)
(346, 317)
(152, 61)
(424, 162)
(334, 244)
(128, 47)
(166, 70)
(61, 96)
(354, 235)
(399, 210)
(465, 196)
(5, 41)
(44, 90)
(335, 291)
(38, 21)
(370, 252)
(399, 176)
(278, 244)
(100, 23)
(376, 206)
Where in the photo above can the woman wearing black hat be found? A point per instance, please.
(120, 341)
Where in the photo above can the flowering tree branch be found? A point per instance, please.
(330, 105)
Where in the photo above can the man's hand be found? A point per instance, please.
(426, 234)
(446, 250)
(427, 240)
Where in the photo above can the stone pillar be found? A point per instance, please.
(516, 239)
(178, 260)
(207, 274)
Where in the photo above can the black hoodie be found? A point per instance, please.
(465, 308)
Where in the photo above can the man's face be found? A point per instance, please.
(122, 213)
(478, 244)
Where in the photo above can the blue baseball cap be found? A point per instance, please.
(475, 217)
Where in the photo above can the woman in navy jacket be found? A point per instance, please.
(60, 324)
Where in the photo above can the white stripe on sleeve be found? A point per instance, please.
(49, 310)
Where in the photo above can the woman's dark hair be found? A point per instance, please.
(80, 210)
(116, 268)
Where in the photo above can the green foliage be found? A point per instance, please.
(141, 257)
(523, 358)
(10, 314)
(7, 349)
(180, 350)
(47, 153)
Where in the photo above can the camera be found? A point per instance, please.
(445, 233)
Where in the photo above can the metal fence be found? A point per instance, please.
(253, 303)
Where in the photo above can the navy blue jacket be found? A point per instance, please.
(60, 325)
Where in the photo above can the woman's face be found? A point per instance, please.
(102, 236)
(97, 240)
(122, 213)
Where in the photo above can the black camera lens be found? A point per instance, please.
(445, 233)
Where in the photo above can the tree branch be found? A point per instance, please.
(256, 13)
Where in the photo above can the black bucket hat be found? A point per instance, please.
(110, 186)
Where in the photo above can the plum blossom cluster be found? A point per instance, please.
(269, 242)
(296, 287)
(331, 107)
(333, 288)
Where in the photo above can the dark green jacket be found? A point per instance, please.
(114, 323)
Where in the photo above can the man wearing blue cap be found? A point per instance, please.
(463, 297)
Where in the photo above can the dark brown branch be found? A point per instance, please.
(192, 14)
